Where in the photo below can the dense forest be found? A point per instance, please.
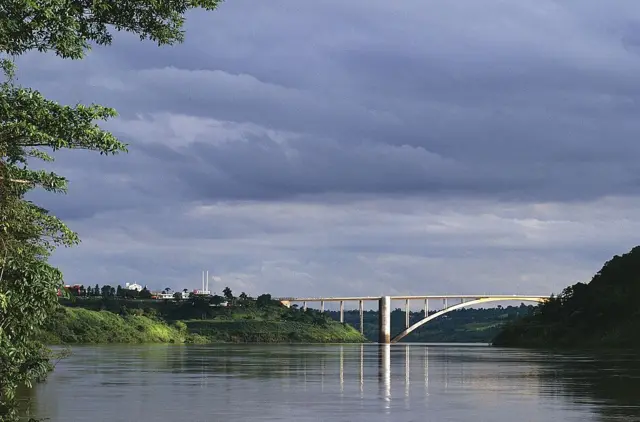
(601, 313)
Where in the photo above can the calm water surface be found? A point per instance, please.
(337, 383)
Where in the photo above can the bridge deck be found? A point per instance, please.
(409, 297)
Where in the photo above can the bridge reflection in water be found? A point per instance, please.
(401, 373)
(378, 357)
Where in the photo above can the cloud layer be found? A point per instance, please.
(360, 147)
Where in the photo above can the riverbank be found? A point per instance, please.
(83, 326)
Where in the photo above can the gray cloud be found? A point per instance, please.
(364, 146)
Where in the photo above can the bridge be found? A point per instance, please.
(384, 308)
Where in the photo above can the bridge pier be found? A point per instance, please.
(342, 311)
(407, 314)
(361, 306)
(384, 320)
(426, 308)
(322, 306)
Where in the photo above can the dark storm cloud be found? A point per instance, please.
(415, 105)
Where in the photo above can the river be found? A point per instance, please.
(337, 383)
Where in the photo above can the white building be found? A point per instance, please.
(133, 286)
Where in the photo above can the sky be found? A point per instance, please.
(365, 147)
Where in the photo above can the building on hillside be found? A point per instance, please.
(162, 296)
(72, 289)
(133, 286)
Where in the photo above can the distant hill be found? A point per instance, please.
(603, 313)
(461, 326)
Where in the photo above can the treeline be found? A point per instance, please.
(601, 313)
(107, 291)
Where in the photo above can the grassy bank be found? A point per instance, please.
(273, 332)
(83, 326)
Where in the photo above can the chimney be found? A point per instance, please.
(206, 289)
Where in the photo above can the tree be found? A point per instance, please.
(228, 294)
(31, 128)
(243, 296)
(177, 296)
(144, 293)
(97, 291)
(263, 301)
(89, 291)
(119, 291)
(216, 300)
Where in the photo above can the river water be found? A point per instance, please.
(337, 383)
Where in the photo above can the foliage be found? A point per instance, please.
(31, 127)
(250, 331)
(67, 27)
(228, 294)
(28, 234)
(602, 313)
(82, 326)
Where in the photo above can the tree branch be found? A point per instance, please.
(18, 180)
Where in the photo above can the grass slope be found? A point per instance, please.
(82, 326)
(273, 332)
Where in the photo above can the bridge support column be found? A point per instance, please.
(304, 306)
(407, 314)
(384, 320)
(342, 311)
(322, 306)
(426, 308)
(361, 306)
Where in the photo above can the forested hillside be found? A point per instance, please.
(601, 313)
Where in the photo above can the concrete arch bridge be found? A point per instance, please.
(384, 308)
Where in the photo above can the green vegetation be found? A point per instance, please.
(195, 320)
(467, 325)
(82, 326)
(273, 331)
(31, 128)
(600, 314)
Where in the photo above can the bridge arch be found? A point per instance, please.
(462, 305)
